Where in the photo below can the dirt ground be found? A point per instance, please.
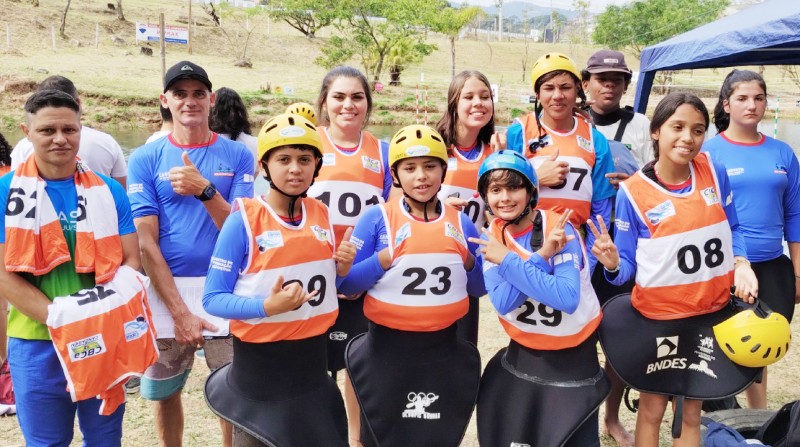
(202, 429)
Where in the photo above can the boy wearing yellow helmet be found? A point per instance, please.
(571, 158)
(273, 273)
(417, 267)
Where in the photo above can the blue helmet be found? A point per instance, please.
(513, 161)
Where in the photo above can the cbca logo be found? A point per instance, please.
(87, 347)
(417, 405)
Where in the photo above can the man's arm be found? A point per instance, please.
(130, 251)
(188, 327)
(21, 294)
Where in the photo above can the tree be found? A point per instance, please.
(370, 29)
(120, 15)
(578, 34)
(62, 29)
(306, 16)
(636, 25)
(450, 22)
(237, 27)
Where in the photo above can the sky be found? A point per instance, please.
(594, 5)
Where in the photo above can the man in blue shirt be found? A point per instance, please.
(181, 188)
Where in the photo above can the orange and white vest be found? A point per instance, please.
(685, 268)
(461, 181)
(538, 326)
(103, 335)
(348, 183)
(302, 254)
(576, 147)
(425, 289)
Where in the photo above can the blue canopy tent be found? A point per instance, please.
(765, 34)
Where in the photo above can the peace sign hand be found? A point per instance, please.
(557, 239)
(492, 249)
(603, 249)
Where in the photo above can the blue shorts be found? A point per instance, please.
(45, 411)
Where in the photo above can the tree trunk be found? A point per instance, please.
(452, 57)
(394, 75)
(120, 15)
(64, 20)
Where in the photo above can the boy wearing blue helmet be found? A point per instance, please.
(537, 276)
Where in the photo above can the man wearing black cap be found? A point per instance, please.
(605, 79)
(180, 189)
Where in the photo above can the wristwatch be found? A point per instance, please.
(208, 193)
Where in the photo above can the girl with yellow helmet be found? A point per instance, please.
(571, 157)
(273, 274)
(416, 265)
(354, 177)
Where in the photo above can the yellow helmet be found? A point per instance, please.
(754, 337)
(303, 109)
(288, 130)
(416, 140)
(551, 62)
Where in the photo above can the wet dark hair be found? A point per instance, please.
(504, 177)
(667, 107)
(447, 124)
(59, 83)
(336, 73)
(229, 114)
(50, 98)
(722, 119)
(5, 151)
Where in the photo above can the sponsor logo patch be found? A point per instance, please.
(666, 347)
(321, 233)
(452, 164)
(338, 336)
(223, 171)
(450, 230)
(705, 352)
(135, 329)
(329, 160)
(660, 212)
(780, 169)
(418, 151)
(584, 144)
(402, 234)
(735, 171)
(371, 164)
(85, 348)
(269, 239)
(292, 131)
(417, 406)
(710, 196)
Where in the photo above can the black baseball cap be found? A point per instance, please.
(185, 70)
(607, 60)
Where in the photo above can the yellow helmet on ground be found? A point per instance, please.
(417, 140)
(288, 130)
(551, 62)
(303, 109)
(754, 337)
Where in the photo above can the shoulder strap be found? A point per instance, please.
(627, 116)
(537, 233)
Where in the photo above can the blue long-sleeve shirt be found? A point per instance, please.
(602, 191)
(765, 178)
(630, 227)
(557, 285)
(369, 236)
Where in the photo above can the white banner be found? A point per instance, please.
(172, 34)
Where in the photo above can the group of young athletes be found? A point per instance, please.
(381, 274)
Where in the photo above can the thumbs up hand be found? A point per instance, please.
(552, 172)
(187, 180)
(345, 254)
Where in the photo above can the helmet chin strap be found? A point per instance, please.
(424, 205)
(292, 197)
(515, 221)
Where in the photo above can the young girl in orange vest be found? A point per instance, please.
(415, 379)
(678, 234)
(354, 176)
(273, 274)
(467, 127)
(537, 276)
